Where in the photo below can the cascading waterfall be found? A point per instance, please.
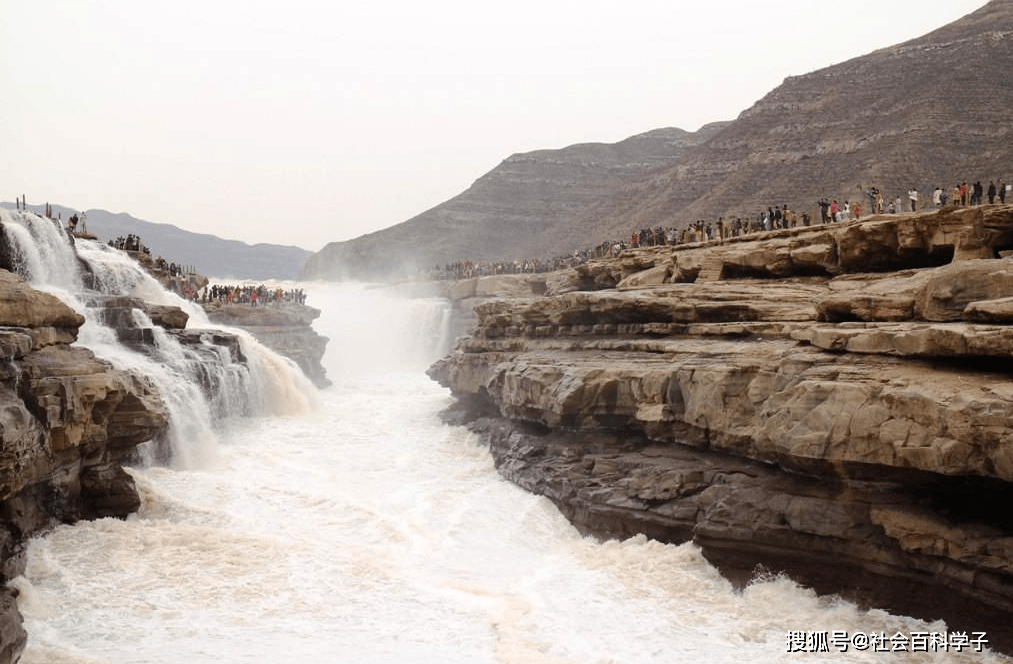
(202, 386)
(41, 250)
(414, 332)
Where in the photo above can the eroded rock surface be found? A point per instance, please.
(68, 422)
(832, 402)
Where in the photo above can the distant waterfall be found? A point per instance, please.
(373, 330)
(202, 385)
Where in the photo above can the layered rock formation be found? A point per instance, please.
(932, 111)
(284, 327)
(831, 402)
(67, 421)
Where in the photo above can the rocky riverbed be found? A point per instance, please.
(831, 402)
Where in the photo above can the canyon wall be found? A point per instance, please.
(832, 402)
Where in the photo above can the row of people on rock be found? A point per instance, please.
(966, 195)
(773, 218)
(252, 295)
(129, 243)
(962, 194)
(469, 269)
(831, 211)
(173, 269)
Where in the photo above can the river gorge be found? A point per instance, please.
(750, 448)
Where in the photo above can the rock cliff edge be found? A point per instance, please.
(833, 402)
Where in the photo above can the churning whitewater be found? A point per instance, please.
(363, 529)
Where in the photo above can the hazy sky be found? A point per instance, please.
(308, 121)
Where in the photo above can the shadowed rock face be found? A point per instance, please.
(931, 111)
(851, 429)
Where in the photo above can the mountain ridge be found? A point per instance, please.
(925, 112)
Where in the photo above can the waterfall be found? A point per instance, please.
(204, 385)
(374, 330)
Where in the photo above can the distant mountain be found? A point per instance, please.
(209, 254)
(932, 111)
(522, 208)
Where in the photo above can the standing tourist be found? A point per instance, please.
(912, 195)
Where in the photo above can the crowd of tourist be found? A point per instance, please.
(225, 294)
(467, 269)
(252, 295)
(133, 243)
(828, 211)
(129, 243)
(173, 269)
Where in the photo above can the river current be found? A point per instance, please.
(364, 530)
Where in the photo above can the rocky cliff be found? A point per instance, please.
(932, 111)
(284, 327)
(832, 402)
(68, 422)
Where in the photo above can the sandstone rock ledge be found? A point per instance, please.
(832, 402)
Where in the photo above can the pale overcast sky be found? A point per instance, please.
(309, 121)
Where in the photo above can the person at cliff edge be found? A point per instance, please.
(913, 196)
